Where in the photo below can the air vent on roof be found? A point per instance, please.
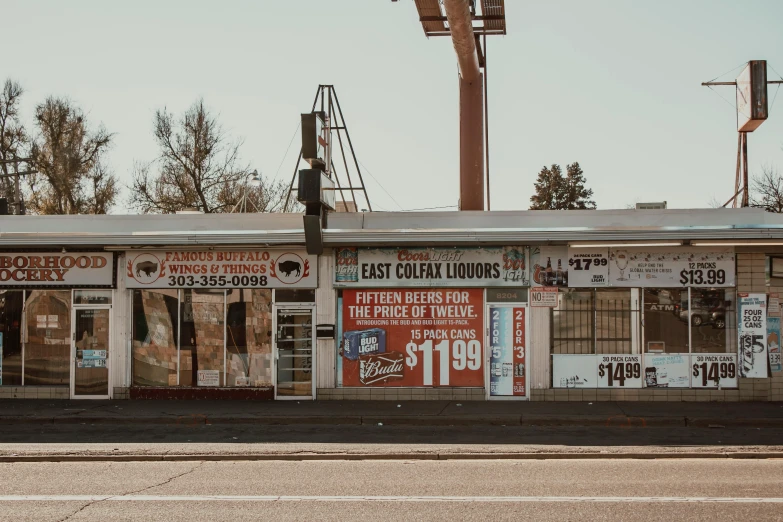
(660, 205)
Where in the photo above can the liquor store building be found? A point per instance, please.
(533, 305)
(575, 305)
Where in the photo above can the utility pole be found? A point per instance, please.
(18, 202)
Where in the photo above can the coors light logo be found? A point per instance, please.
(380, 368)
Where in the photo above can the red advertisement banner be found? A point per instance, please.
(413, 337)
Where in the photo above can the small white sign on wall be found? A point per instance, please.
(209, 377)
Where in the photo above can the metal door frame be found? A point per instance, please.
(487, 353)
(294, 306)
(72, 385)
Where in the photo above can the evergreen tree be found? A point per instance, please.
(555, 191)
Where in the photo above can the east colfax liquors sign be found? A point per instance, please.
(407, 267)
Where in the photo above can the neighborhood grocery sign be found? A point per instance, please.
(84, 269)
(407, 267)
(221, 269)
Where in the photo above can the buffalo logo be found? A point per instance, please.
(289, 268)
(146, 268)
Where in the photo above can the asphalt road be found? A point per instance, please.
(400, 436)
(394, 490)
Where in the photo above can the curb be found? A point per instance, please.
(389, 456)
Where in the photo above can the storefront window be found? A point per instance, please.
(154, 337)
(249, 342)
(592, 321)
(713, 318)
(47, 327)
(613, 312)
(573, 321)
(202, 346)
(11, 344)
(665, 320)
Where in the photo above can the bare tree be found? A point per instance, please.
(72, 178)
(13, 137)
(198, 167)
(268, 196)
(768, 190)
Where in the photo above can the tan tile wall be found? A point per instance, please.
(34, 392)
(400, 394)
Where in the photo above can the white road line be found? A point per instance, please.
(374, 498)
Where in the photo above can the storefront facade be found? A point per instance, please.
(56, 323)
(612, 305)
(451, 319)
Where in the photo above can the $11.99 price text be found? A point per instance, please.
(459, 355)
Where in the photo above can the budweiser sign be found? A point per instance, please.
(381, 367)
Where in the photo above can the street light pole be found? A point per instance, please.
(255, 180)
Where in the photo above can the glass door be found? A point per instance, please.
(89, 370)
(294, 341)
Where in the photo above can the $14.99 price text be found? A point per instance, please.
(713, 371)
(620, 372)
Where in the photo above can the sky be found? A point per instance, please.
(612, 84)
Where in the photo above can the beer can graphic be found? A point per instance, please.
(363, 342)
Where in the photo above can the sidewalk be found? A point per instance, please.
(413, 413)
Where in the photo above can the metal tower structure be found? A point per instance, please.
(327, 103)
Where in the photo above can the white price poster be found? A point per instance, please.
(619, 371)
(752, 329)
(714, 371)
(588, 267)
(667, 371)
(661, 267)
(574, 371)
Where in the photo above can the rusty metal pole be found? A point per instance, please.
(471, 104)
(471, 138)
(745, 195)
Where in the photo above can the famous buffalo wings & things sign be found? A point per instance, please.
(221, 269)
(412, 337)
(405, 267)
(56, 269)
